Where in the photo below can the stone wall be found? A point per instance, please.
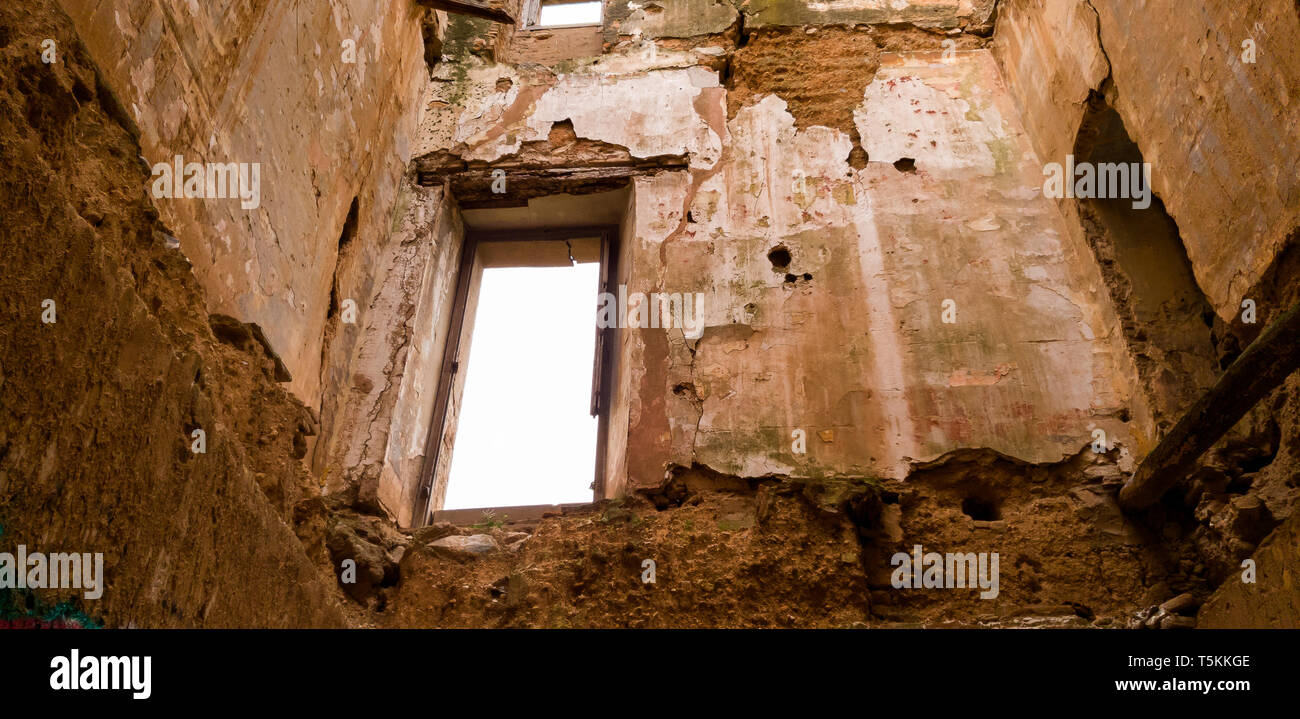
(845, 341)
(321, 94)
(852, 189)
(103, 389)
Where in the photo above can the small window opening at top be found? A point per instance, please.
(564, 14)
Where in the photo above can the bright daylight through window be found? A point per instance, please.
(525, 434)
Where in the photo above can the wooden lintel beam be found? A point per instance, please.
(474, 8)
(542, 174)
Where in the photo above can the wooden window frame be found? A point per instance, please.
(531, 14)
(602, 369)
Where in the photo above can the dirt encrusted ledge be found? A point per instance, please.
(727, 551)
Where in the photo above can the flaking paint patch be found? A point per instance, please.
(663, 109)
(929, 118)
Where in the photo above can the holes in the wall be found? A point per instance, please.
(858, 157)
(333, 310)
(349, 226)
(50, 107)
(341, 261)
(981, 508)
(345, 240)
(433, 42)
(905, 164)
(504, 84)
(562, 133)
(1252, 465)
(248, 337)
(780, 257)
(230, 331)
(1146, 271)
(725, 74)
(82, 92)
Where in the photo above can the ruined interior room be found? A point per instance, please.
(651, 313)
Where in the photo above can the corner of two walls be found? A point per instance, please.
(1208, 96)
(1052, 62)
(1220, 132)
(324, 99)
(329, 120)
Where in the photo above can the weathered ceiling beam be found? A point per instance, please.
(1265, 364)
(475, 8)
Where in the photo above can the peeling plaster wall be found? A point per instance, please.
(1051, 85)
(1223, 135)
(382, 405)
(479, 117)
(422, 368)
(847, 343)
(264, 81)
(856, 356)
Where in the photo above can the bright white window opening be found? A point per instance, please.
(569, 13)
(525, 433)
